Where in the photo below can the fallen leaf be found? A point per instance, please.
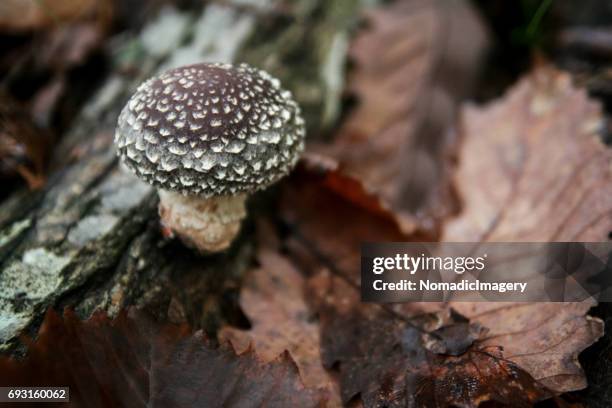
(386, 357)
(333, 225)
(413, 63)
(273, 300)
(133, 362)
(533, 168)
(533, 154)
(325, 172)
(544, 339)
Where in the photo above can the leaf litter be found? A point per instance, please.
(524, 350)
(499, 172)
(534, 152)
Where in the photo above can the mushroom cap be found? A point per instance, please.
(210, 130)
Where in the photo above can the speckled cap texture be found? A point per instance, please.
(210, 130)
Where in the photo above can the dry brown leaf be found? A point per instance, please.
(325, 172)
(386, 358)
(544, 339)
(273, 300)
(335, 224)
(132, 361)
(412, 65)
(532, 167)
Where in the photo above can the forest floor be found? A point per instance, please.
(436, 121)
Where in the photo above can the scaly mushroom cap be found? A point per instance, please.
(210, 130)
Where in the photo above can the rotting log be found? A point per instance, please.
(90, 239)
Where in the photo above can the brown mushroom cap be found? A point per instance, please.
(210, 130)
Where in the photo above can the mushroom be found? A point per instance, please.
(207, 136)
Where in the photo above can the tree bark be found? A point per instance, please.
(90, 238)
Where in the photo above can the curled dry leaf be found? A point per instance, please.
(413, 63)
(133, 362)
(517, 166)
(273, 300)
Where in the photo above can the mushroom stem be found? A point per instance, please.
(207, 224)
